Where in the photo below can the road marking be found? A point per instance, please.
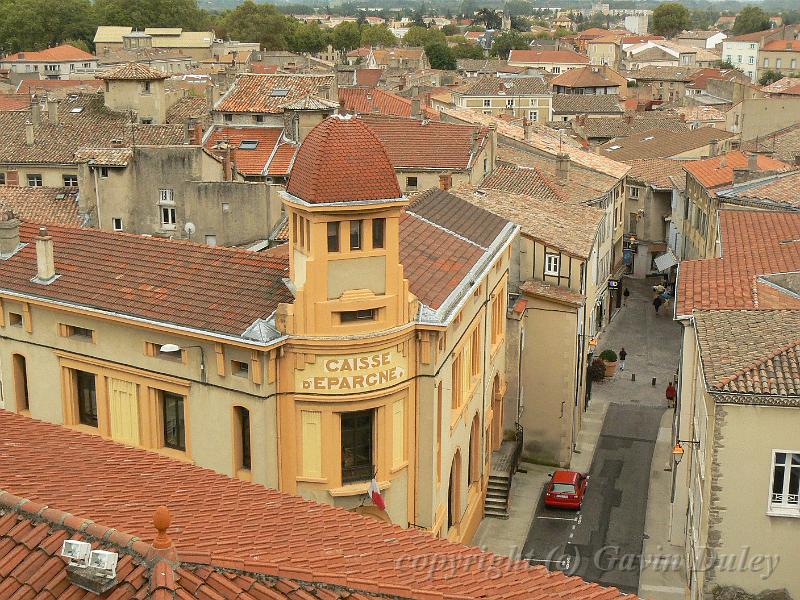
(558, 518)
(580, 518)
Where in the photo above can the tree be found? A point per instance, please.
(750, 19)
(377, 35)
(520, 23)
(450, 29)
(724, 64)
(440, 56)
(506, 42)
(671, 18)
(770, 76)
(703, 18)
(421, 37)
(79, 44)
(465, 49)
(37, 24)
(260, 23)
(490, 18)
(346, 36)
(151, 13)
(308, 37)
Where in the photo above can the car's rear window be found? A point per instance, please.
(563, 488)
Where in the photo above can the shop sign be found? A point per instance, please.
(346, 374)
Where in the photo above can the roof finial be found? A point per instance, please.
(162, 544)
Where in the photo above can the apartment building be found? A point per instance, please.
(371, 346)
(782, 56)
(524, 97)
(551, 61)
(58, 62)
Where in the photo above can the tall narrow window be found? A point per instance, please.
(378, 232)
(455, 401)
(20, 382)
(439, 432)
(333, 236)
(355, 235)
(551, 264)
(174, 422)
(243, 437)
(785, 482)
(87, 398)
(357, 446)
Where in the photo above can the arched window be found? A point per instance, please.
(474, 470)
(20, 382)
(454, 492)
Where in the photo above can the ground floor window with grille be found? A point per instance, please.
(785, 482)
(87, 398)
(357, 440)
(174, 422)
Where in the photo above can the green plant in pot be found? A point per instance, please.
(597, 370)
(609, 357)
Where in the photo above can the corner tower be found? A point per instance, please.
(344, 207)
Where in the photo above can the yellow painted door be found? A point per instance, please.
(124, 408)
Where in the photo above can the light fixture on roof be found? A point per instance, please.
(77, 552)
(104, 562)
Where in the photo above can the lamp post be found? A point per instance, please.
(677, 451)
(171, 348)
(677, 456)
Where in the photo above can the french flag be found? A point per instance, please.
(375, 493)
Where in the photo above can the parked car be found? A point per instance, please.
(566, 489)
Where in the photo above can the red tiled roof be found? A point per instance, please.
(132, 72)
(778, 45)
(282, 160)
(547, 56)
(56, 206)
(432, 144)
(717, 171)
(55, 54)
(362, 100)
(250, 525)
(342, 160)
(269, 93)
(368, 77)
(359, 53)
(264, 69)
(248, 162)
(209, 288)
(753, 243)
(32, 86)
(15, 102)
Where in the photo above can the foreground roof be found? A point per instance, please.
(414, 143)
(718, 171)
(217, 518)
(270, 93)
(776, 191)
(56, 206)
(216, 289)
(784, 144)
(754, 244)
(267, 156)
(342, 160)
(766, 362)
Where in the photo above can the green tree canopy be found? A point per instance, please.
(441, 56)
(465, 49)
(308, 37)
(150, 13)
(260, 23)
(506, 42)
(770, 76)
(750, 19)
(671, 18)
(421, 37)
(346, 36)
(37, 24)
(377, 35)
(490, 18)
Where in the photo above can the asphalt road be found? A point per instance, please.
(602, 541)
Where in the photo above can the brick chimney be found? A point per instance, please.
(9, 235)
(446, 181)
(29, 133)
(562, 167)
(45, 262)
(52, 111)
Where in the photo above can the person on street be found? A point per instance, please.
(625, 295)
(657, 302)
(671, 394)
(622, 355)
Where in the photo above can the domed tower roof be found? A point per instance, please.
(341, 160)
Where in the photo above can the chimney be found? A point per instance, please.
(401, 85)
(29, 133)
(752, 162)
(163, 547)
(629, 118)
(714, 147)
(741, 175)
(197, 133)
(527, 129)
(562, 167)
(117, 143)
(52, 111)
(227, 169)
(210, 95)
(415, 108)
(446, 181)
(9, 235)
(796, 160)
(36, 113)
(45, 263)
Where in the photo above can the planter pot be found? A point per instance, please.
(611, 368)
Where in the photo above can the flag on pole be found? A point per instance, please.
(375, 494)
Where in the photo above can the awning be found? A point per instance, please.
(666, 260)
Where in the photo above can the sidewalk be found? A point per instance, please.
(506, 537)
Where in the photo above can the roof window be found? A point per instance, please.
(77, 109)
(277, 92)
(248, 144)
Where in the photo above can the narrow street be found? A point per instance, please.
(603, 541)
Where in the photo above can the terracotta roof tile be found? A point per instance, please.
(656, 172)
(209, 288)
(361, 100)
(589, 76)
(784, 143)
(718, 171)
(667, 73)
(620, 127)
(754, 243)
(189, 107)
(132, 71)
(511, 86)
(342, 160)
(412, 143)
(51, 206)
(369, 77)
(258, 93)
(15, 102)
(776, 191)
(64, 52)
(553, 292)
(661, 143)
(248, 162)
(586, 104)
(216, 512)
(547, 56)
(38, 86)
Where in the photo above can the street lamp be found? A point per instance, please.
(677, 451)
(171, 348)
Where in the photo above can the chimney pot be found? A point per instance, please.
(45, 263)
(752, 162)
(445, 181)
(562, 166)
(9, 235)
(36, 113)
(29, 133)
(52, 111)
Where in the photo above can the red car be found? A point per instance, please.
(566, 489)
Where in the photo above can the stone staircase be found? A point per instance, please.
(497, 492)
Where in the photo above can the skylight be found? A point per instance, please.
(248, 144)
(77, 109)
(279, 92)
(615, 147)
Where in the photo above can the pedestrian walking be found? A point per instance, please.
(657, 302)
(625, 295)
(622, 355)
(672, 394)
